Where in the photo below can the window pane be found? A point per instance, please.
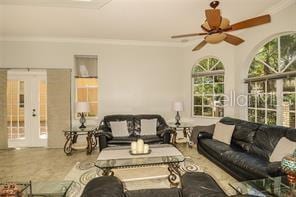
(208, 88)
(261, 101)
(212, 62)
(219, 100)
(292, 120)
(208, 100)
(261, 116)
(198, 111)
(271, 101)
(208, 79)
(218, 112)
(252, 101)
(196, 69)
(290, 98)
(82, 95)
(269, 54)
(198, 89)
(219, 78)
(219, 66)
(251, 115)
(204, 64)
(271, 117)
(208, 111)
(271, 86)
(92, 94)
(289, 85)
(197, 80)
(219, 88)
(197, 100)
(288, 48)
(93, 110)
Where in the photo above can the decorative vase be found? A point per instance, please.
(289, 167)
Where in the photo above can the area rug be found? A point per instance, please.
(133, 178)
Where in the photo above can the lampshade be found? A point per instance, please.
(82, 107)
(178, 106)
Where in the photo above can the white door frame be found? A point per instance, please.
(31, 80)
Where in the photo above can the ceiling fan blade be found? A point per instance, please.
(189, 35)
(213, 18)
(260, 20)
(234, 40)
(200, 45)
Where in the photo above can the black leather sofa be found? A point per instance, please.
(163, 135)
(195, 184)
(251, 146)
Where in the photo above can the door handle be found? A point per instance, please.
(34, 113)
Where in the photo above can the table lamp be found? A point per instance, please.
(289, 167)
(178, 106)
(81, 109)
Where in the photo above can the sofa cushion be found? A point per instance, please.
(214, 147)
(266, 138)
(119, 128)
(223, 132)
(283, 148)
(128, 118)
(246, 161)
(148, 127)
(163, 192)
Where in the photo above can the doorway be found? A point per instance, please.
(27, 108)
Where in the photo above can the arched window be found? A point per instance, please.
(271, 82)
(208, 88)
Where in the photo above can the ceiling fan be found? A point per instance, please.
(216, 26)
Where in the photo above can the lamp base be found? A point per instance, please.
(177, 118)
(82, 126)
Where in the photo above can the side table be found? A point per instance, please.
(72, 135)
(187, 131)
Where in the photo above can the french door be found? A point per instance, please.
(27, 108)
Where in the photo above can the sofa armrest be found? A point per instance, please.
(108, 135)
(104, 186)
(274, 169)
(203, 135)
(163, 132)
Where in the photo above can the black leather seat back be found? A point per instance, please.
(244, 132)
(267, 137)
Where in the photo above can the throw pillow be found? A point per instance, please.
(148, 126)
(223, 132)
(283, 148)
(119, 128)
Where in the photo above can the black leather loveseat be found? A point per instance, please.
(163, 135)
(251, 146)
(195, 184)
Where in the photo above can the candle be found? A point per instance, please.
(146, 148)
(140, 146)
(134, 147)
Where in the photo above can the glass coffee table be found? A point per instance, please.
(161, 154)
(271, 186)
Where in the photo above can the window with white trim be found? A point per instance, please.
(208, 88)
(271, 82)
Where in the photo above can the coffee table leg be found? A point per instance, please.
(174, 174)
(107, 172)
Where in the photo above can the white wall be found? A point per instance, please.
(281, 22)
(147, 79)
(133, 79)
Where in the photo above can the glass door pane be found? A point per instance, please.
(15, 109)
(43, 109)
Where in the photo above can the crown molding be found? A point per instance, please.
(91, 41)
(279, 7)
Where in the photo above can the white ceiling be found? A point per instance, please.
(145, 20)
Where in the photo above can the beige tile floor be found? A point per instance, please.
(41, 164)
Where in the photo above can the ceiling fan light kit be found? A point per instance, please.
(216, 27)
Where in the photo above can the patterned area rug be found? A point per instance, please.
(82, 173)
